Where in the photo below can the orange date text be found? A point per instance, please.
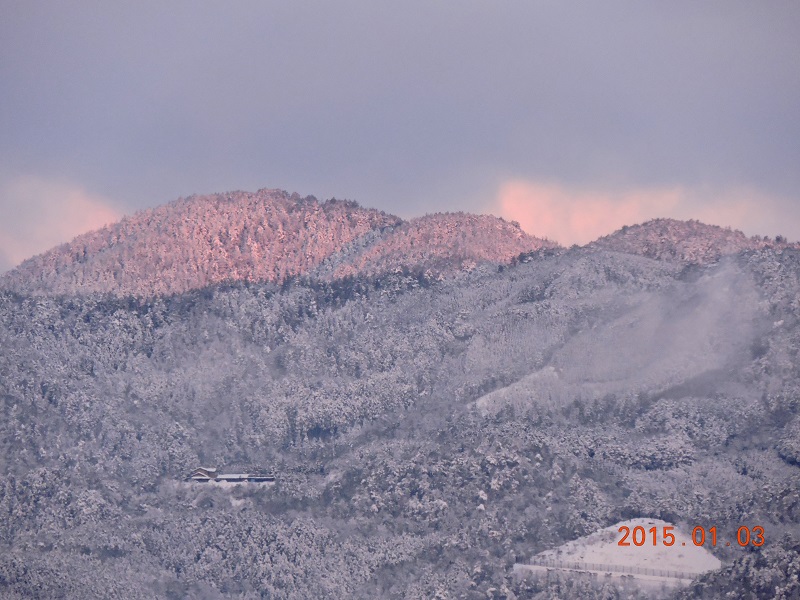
(639, 536)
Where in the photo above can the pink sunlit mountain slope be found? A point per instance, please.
(442, 242)
(264, 236)
(198, 241)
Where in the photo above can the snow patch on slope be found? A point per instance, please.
(648, 565)
(602, 547)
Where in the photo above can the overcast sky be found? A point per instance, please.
(572, 118)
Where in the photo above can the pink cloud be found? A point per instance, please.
(578, 216)
(38, 214)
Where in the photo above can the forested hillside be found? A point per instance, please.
(426, 431)
(199, 241)
(441, 243)
(267, 236)
(686, 241)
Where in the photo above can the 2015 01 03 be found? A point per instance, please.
(640, 536)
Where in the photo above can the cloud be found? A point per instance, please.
(38, 214)
(572, 215)
(406, 110)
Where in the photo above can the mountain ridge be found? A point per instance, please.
(271, 235)
(689, 241)
(200, 240)
(265, 236)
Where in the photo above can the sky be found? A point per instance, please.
(572, 118)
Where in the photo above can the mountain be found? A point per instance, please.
(686, 241)
(426, 433)
(267, 236)
(441, 243)
(200, 241)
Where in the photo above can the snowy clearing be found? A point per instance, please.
(601, 554)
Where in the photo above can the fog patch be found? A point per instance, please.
(697, 332)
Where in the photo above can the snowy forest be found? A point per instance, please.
(430, 423)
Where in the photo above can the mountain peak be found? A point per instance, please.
(197, 241)
(443, 242)
(685, 241)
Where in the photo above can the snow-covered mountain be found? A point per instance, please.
(686, 241)
(442, 243)
(267, 236)
(431, 419)
(200, 241)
